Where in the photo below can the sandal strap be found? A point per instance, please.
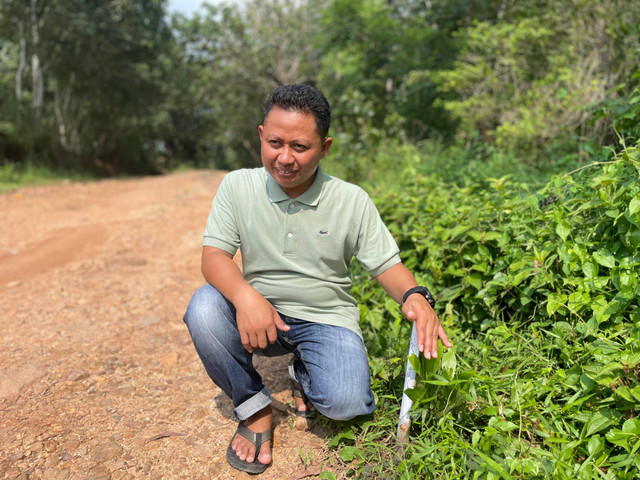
(256, 438)
(296, 390)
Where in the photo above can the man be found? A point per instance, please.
(297, 229)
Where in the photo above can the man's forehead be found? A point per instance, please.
(304, 122)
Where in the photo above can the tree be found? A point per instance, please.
(232, 58)
(371, 51)
(529, 85)
(95, 72)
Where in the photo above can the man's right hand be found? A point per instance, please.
(257, 320)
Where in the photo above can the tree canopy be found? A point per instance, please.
(121, 87)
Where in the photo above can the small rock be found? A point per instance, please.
(170, 359)
(191, 440)
(77, 375)
(201, 453)
(17, 456)
(36, 446)
(112, 348)
(200, 413)
(56, 474)
(106, 452)
(99, 472)
(121, 475)
(117, 465)
(50, 446)
(29, 439)
(12, 472)
(124, 389)
(147, 321)
(14, 379)
(14, 284)
(51, 463)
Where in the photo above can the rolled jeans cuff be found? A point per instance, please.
(253, 405)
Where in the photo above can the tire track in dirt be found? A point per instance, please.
(98, 377)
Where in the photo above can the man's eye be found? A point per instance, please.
(300, 147)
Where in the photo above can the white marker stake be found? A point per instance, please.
(409, 382)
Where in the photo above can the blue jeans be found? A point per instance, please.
(330, 363)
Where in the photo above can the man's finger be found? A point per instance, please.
(280, 325)
(434, 339)
(443, 337)
(261, 339)
(421, 338)
(272, 334)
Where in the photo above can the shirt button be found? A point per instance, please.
(289, 235)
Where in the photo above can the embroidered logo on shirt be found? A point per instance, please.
(324, 232)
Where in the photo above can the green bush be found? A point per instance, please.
(539, 292)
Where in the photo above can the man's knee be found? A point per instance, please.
(346, 404)
(204, 304)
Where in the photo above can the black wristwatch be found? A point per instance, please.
(422, 291)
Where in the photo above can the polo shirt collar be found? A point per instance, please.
(311, 197)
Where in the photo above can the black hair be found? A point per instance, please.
(302, 98)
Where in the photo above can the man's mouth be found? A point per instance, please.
(285, 173)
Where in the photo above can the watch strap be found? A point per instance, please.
(424, 291)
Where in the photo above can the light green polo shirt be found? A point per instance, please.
(296, 252)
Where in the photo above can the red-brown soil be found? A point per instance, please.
(98, 376)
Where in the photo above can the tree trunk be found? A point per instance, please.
(21, 62)
(36, 71)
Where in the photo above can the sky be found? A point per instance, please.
(189, 7)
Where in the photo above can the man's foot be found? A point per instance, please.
(305, 412)
(244, 449)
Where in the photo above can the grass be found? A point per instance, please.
(13, 177)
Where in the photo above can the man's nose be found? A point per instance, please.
(286, 156)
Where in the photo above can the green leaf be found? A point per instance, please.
(577, 300)
(563, 229)
(492, 236)
(590, 269)
(475, 438)
(455, 232)
(449, 363)
(634, 205)
(632, 426)
(605, 258)
(554, 302)
(493, 464)
(326, 476)
(475, 280)
(599, 421)
(348, 453)
(595, 445)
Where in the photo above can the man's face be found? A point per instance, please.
(291, 149)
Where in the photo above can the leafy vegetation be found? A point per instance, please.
(121, 87)
(540, 289)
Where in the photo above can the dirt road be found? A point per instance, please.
(98, 376)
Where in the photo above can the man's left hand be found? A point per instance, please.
(417, 309)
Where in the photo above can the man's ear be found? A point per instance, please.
(325, 146)
(260, 130)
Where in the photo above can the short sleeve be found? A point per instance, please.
(222, 226)
(377, 251)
